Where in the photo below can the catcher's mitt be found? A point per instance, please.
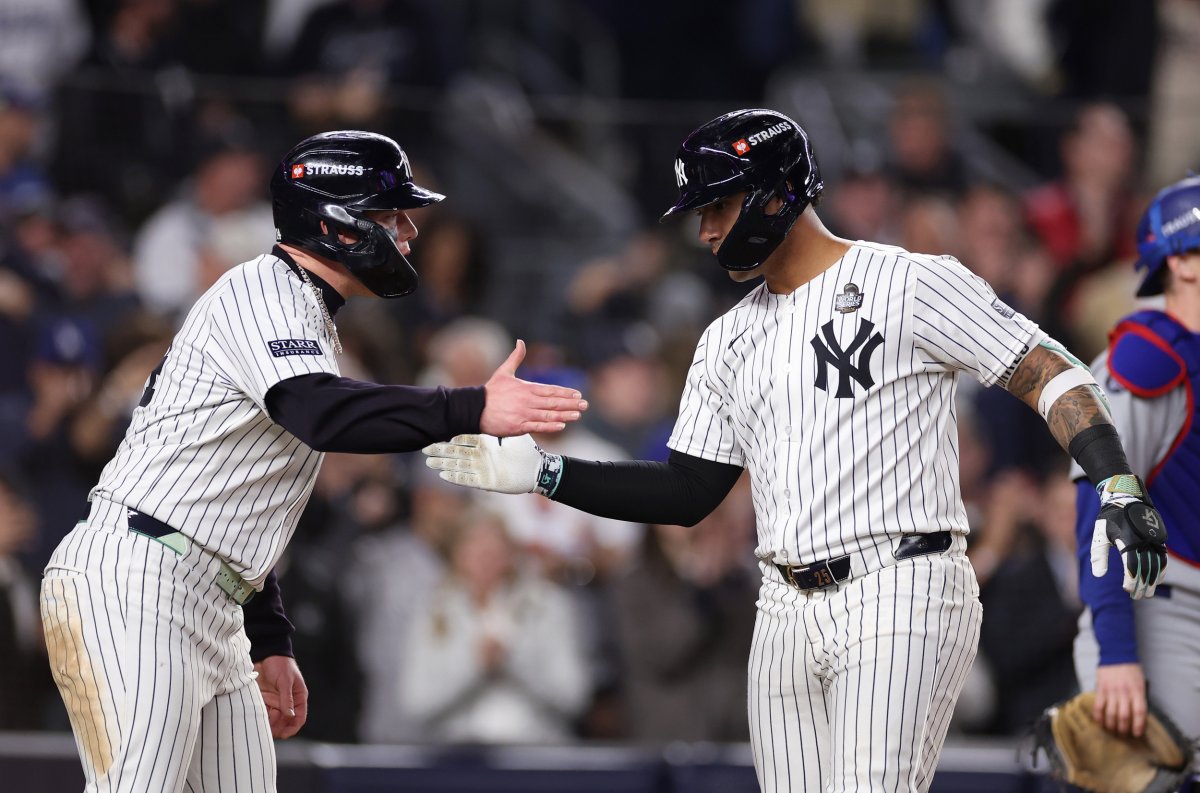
(1085, 754)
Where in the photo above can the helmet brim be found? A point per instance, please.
(403, 196)
(685, 205)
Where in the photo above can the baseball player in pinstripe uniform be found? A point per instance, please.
(1152, 372)
(833, 384)
(142, 603)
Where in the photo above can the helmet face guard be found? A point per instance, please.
(1169, 227)
(762, 153)
(336, 178)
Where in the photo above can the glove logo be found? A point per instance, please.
(1148, 518)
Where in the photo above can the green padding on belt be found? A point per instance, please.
(175, 541)
(233, 585)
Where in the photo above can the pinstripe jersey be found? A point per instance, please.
(839, 399)
(202, 454)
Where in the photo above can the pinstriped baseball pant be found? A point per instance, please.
(153, 664)
(851, 688)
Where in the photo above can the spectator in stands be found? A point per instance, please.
(493, 655)
(392, 573)
(134, 349)
(350, 53)
(454, 275)
(39, 41)
(923, 159)
(93, 275)
(218, 220)
(685, 624)
(865, 204)
(1025, 562)
(21, 177)
(125, 116)
(1085, 219)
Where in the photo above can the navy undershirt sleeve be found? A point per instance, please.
(682, 491)
(267, 626)
(336, 414)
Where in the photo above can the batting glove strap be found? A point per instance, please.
(1121, 489)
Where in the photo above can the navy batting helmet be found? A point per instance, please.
(1171, 225)
(337, 177)
(761, 153)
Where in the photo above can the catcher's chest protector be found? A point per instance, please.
(1150, 354)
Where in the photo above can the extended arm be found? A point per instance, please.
(681, 491)
(1057, 385)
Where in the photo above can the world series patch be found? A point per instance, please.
(281, 348)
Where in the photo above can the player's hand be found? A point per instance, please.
(502, 465)
(284, 693)
(1128, 521)
(1121, 699)
(515, 406)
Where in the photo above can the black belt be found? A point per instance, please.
(144, 524)
(226, 577)
(833, 571)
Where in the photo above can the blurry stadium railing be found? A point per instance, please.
(47, 763)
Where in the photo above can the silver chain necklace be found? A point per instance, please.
(329, 326)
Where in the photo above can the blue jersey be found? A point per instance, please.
(1151, 371)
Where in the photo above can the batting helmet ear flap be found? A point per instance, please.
(756, 234)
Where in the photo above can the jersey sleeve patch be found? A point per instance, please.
(1142, 362)
(282, 348)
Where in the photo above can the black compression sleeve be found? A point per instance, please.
(1099, 452)
(267, 626)
(335, 414)
(681, 491)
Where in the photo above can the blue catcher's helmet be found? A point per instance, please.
(1170, 226)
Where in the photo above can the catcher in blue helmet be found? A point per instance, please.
(1151, 371)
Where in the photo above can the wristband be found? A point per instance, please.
(550, 474)
(1099, 453)
(1060, 384)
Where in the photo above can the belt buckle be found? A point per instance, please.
(234, 585)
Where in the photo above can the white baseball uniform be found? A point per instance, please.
(148, 650)
(839, 400)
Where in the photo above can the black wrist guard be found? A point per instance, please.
(1099, 452)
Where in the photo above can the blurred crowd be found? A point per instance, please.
(136, 141)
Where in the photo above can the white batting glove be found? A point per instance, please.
(502, 465)
(1136, 528)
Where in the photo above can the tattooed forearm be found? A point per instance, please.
(1076, 410)
(1035, 370)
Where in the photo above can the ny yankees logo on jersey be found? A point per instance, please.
(830, 352)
